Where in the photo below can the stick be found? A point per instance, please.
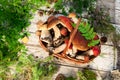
(72, 36)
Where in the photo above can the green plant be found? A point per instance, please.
(28, 67)
(14, 19)
(39, 70)
(77, 6)
(86, 74)
(70, 78)
(100, 20)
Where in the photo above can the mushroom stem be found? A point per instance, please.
(72, 36)
(56, 33)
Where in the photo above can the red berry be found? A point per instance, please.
(96, 50)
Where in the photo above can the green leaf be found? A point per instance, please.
(87, 27)
(91, 31)
(93, 42)
(81, 75)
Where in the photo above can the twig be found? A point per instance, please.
(72, 36)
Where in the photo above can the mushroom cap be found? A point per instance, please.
(50, 18)
(38, 33)
(72, 15)
(43, 27)
(80, 42)
(52, 23)
(39, 23)
(67, 22)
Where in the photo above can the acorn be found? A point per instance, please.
(103, 40)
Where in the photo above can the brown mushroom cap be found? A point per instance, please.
(72, 15)
(43, 27)
(38, 33)
(66, 22)
(80, 42)
(53, 23)
(39, 23)
(50, 18)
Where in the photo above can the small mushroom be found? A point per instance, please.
(39, 24)
(96, 50)
(45, 34)
(52, 22)
(73, 17)
(38, 32)
(43, 27)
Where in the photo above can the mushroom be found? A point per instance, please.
(42, 27)
(59, 48)
(39, 24)
(72, 52)
(66, 22)
(46, 36)
(57, 35)
(38, 33)
(95, 51)
(80, 42)
(73, 17)
(50, 18)
(44, 33)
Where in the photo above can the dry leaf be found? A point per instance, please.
(25, 39)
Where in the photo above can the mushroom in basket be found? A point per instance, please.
(69, 40)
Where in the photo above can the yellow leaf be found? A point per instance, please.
(25, 39)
